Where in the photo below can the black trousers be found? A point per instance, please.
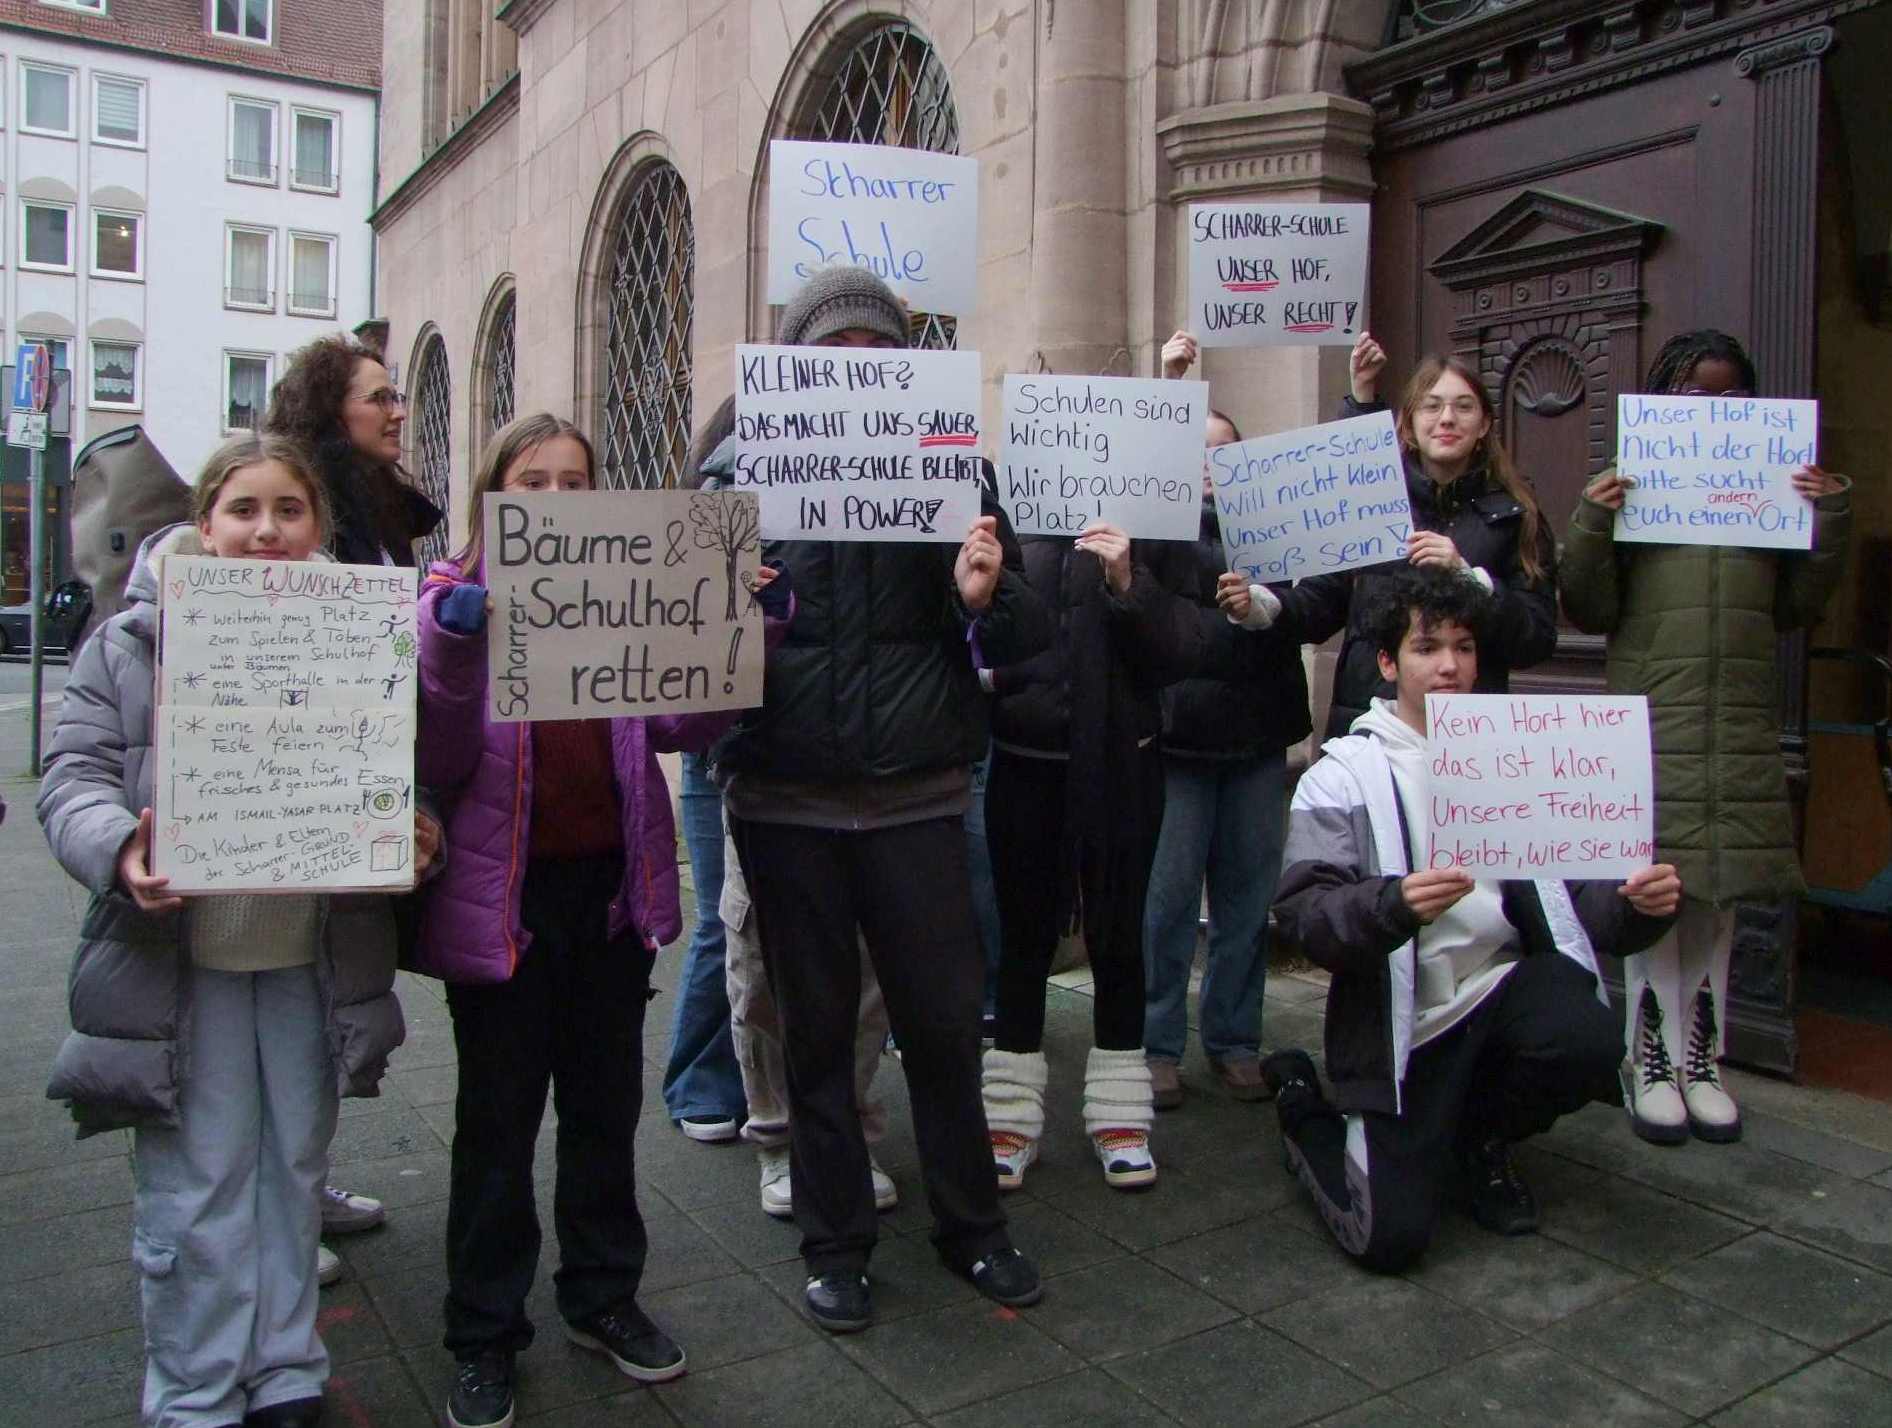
(572, 1017)
(1024, 827)
(908, 891)
(1539, 1047)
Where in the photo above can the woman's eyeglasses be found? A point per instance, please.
(1466, 407)
(386, 398)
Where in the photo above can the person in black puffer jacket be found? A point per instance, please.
(1225, 739)
(846, 794)
(1472, 511)
(1073, 806)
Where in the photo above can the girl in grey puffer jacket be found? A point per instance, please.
(223, 1032)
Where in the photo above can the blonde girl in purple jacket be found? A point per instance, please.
(559, 887)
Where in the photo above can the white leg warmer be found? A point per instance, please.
(1117, 1092)
(1660, 969)
(1014, 1084)
(1705, 936)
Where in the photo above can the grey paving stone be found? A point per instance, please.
(1642, 1230)
(1123, 1306)
(74, 1381)
(350, 1326)
(33, 1195)
(1090, 1399)
(1529, 1385)
(809, 1383)
(1258, 1264)
(43, 1247)
(1181, 1203)
(424, 1085)
(1798, 1291)
(1237, 1375)
(956, 1356)
(636, 1409)
(76, 1304)
(1848, 1217)
(408, 1301)
(744, 1232)
(1830, 1393)
(378, 1391)
(724, 1321)
(1386, 1412)
(400, 1180)
(693, 1176)
(412, 1235)
(393, 1130)
(1830, 1152)
(1526, 1281)
(1683, 1351)
(1413, 1332)
(1739, 1180)
(1873, 1352)
(680, 1253)
(1056, 1243)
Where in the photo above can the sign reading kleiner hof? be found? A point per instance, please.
(1715, 470)
(610, 603)
(857, 443)
(1539, 785)
(1127, 450)
(1277, 274)
(1308, 502)
(909, 216)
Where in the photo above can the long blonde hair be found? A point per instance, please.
(507, 445)
(1489, 450)
(241, 451)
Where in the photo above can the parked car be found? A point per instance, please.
(67, 608)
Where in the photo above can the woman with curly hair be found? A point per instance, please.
(338, 401)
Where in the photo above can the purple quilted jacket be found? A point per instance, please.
(482, 772)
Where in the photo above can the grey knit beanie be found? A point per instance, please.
(838, 297)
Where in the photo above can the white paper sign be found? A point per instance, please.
(1277, 274)
(1539, 785)
(909, 216)
(1715, 470)
(1127, 450)
(612, 603)
(285, 726)
(1312, 501)
(858, 443)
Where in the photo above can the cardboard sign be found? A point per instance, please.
(611, 603)
(1308, 502)
(859, 443)
(1539, 785)
(1127, 450)
(909, 216)
(1277, 274)
(285, 726)
(1715, 470)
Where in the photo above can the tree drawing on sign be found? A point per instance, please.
(731, 525)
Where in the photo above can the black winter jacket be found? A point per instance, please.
(1483, 520)
(874, 678)
(1250, 699)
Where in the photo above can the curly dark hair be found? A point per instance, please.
(1431, 596)
(367, 497)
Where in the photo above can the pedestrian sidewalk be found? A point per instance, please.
(1744, 1285)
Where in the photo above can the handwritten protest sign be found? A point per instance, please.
(285, 726)
(909, 216)
(609, 603)
(858, 443)
(1127, 450)
(1539, 785)
(1276, 274)
(1715, 470)
(1306, 502)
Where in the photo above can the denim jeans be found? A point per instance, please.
(701, 1077)
(985, 898)
(1223, 818)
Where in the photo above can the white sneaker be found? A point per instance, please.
(1651, 1094)
(1712, 1114)
(1011, 1153)
(777, 1195)
(328, 1265)
(1126, 1158)
(886, 1193)
(344, 1212)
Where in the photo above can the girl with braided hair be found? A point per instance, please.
(1694, 627)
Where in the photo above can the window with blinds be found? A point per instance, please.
(311, 275)
(118, 111)
(116, 376)
(313, 163)
(249, 260)
(245, 390)
(46, 100)
(252, 142)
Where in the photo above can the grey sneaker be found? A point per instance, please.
(346, 1213)
(328, 1266)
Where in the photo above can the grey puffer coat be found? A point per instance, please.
(130, 1045)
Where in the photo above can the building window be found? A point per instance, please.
(46, 236)
(433, 439)
(312, 163)
(118, 111)
(242, 19)
(118, 244)
(252, 141)
(116, 375)
(892, 89)
(245, 389)
(46, 101)
(649, 302)
(311, 275)
(499, 366)
(90, 7)
(58, 352)
(249, 265)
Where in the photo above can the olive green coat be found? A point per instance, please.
(1695, 627)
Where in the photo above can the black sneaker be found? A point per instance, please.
(630, 1340)
(1006, 1277)
(840, 1303)
(294, 1413)
(1501, 1201)
(1290, 1073)
(482, 1391)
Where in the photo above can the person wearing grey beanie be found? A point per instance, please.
(846, 796)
